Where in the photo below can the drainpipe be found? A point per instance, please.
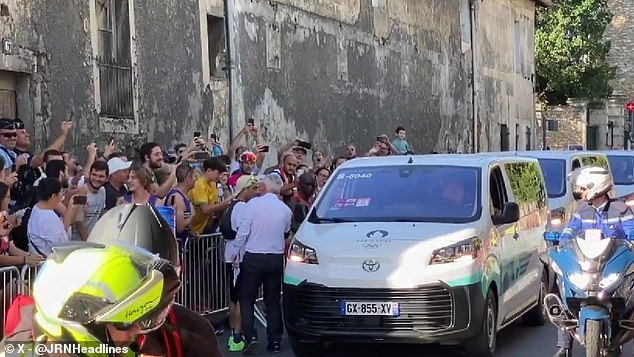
(229, 13)
(474, 89)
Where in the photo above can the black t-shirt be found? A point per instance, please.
(112, 195)
(197, 335)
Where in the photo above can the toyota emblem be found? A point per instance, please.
(371, 265)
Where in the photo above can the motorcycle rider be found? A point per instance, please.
(94, 295)
(185, 333)
(613, 217)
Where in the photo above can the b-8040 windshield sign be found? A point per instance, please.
(361, 175)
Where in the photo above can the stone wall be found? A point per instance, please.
(570, 127)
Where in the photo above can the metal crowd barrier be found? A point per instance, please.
(27, 277)
(204, 274)
(204, 277)
(11, 287)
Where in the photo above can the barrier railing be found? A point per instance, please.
(205, 277)
(27, 277)
(204, 274)
(11, 282)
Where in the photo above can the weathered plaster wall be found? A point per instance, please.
(505, 59)
(174, 101)
(65, 71)
(621, 34)
(337, 72)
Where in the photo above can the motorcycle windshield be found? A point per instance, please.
(593, 249)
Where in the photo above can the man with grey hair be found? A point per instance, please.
(265, 223)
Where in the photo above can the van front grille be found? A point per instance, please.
(425, 309)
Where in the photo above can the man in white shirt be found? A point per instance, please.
(265, 223)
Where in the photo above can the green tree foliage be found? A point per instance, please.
(571, 52)
(595, 161)
(527, 185)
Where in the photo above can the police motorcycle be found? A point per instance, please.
(595, 276)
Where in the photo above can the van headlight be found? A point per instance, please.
(465, 250)
(301, 253)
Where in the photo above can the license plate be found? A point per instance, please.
(354, 308)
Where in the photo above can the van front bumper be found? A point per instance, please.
(428, 314)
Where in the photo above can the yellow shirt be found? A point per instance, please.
(203, 193)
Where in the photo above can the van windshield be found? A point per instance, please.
(554, 171)
(622, 168)
(409, 193)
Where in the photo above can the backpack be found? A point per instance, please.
(225, 223)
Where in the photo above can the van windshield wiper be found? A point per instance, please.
(316, 219)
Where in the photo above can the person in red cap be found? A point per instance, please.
(248, 166)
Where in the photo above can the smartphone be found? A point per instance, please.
(251, 121)
(197, 134)
(264, 148)
(80, 200)
(202, 155)
(196, 165)
(304, 144)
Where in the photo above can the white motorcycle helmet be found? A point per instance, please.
(595, 180)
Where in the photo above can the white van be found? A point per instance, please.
(419, 249)
(622, 168)
(556, 165)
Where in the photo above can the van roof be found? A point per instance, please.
(547, 154)
(469, 160)
(617, 152)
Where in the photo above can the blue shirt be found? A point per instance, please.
(614, 219)
(9, 157)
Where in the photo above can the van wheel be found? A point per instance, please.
(483, 345)
(537, 316)
(305, 349)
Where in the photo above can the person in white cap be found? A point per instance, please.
(115, 187)
(246, 189)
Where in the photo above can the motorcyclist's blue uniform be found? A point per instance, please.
(615, 219)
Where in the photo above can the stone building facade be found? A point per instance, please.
(332, 72)
(608, 125)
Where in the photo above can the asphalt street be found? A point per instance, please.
(514, 341)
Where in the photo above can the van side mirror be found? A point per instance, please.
(510, 214)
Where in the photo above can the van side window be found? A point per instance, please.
(527, 186)
(497, 190)
(599, 161)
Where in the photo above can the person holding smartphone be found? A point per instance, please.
(45, 228)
